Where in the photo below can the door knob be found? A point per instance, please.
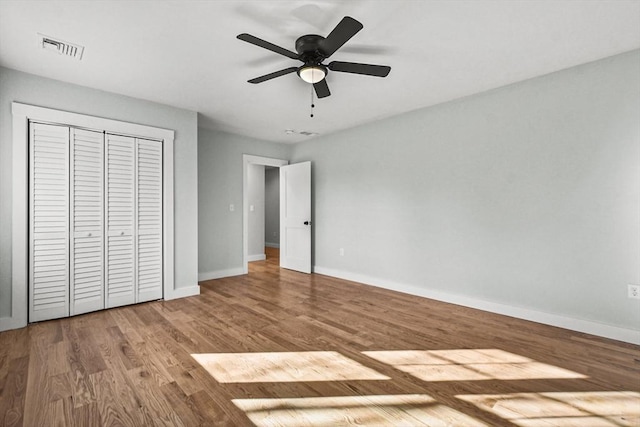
(307, 223)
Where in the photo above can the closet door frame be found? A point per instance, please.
(22, 114)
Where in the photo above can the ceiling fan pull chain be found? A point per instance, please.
(312, 105)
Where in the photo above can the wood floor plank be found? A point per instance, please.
(211, 412)
(127, 402)
(56, 413)
(183, 379)
(37, 381)
(182, 405)
(430, 362)
(154, 406)
(113, 408)
(13, 396)
(57, 358)
(83, 345)
(124, 350)
(127, 323)
(155, 364)
(85, 415)
(58, 387)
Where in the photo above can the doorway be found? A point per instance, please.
(271, 212)
(263, 187)
(255, 180)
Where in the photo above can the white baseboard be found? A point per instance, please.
(272, 245)
(219, 274)
(183, 292)
(258, 257)
(8, 323)
(600, 329)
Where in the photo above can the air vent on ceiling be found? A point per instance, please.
(300, 132)
(60, 46)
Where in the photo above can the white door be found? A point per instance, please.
(49, 223)
(120, 221)
(295, 217)
(86, 281)
(149, 220)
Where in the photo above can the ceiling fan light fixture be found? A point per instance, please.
(312, 73)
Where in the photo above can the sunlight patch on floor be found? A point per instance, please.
(589, 409)
(469, 365)
(396, 410)
(284, 367)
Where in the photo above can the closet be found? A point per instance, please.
(95, 223)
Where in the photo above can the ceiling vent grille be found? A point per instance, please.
(60, 46)
(300, 132)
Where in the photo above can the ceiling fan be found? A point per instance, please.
(312, 50)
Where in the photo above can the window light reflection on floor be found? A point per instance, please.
(469, 365)
(387, 410)
(284, 367)
(594, 408)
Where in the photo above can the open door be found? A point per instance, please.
(295, 217)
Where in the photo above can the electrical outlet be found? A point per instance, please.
(633, 291)
(341, 251)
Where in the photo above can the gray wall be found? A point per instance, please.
(272, 207)
(30, 89)
(219, 185)
(526, 196)
(255, 190)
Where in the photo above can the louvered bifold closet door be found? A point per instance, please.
(120, 221)
(86, 213)
(149, 220)
(49, 224)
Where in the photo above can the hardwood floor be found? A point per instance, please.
(277, 347)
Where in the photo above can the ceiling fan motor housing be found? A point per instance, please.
(309, 48)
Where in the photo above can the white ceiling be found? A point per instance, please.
(185, 53)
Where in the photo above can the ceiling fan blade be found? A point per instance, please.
(273, 75)
(355, 68)
(341, 34)
(266, 45)
(322, 89)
